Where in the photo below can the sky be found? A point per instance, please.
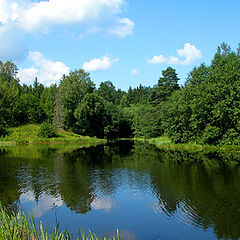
(127, 42)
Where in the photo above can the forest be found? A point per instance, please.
(206, 109)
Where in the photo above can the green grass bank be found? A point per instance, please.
(28, 134)
(165, 142)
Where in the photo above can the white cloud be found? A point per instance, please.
(47, 71)
(134, 72)
(190, 53)
(21, 17)
(124, 27)
(186, 56)
(41, 15)
(158, 59)
(97, 64)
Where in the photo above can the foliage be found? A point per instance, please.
(31, 110)
(47, 101)
(47, 130)
(144, 120)
(107, 91)
(117, 123)
(207, 108)
(28, 134)
(3, 130)
(90, 115)
(72, 90)
(167, 84)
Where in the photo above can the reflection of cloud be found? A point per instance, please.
(103, 203)
(124, 235)
(158, 208)
(45, 203)
(127, 235)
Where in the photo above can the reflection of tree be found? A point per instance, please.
(76, 187)
(9, 190)
(202, 186)
(207, 193)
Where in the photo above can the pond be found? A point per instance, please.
(145, 192)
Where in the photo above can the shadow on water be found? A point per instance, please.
(200, 189)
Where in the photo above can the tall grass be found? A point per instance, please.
(17, 226)
(28, 134)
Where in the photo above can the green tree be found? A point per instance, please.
(72, 90)
(9, 103)
(47, 101)
(90, 115)
(8, 72)
(167, 84)
(31, 109)
(207, 108)
(107, 91)
(144, 120)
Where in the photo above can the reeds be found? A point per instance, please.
(17, 226)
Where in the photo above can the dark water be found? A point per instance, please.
(145, 192)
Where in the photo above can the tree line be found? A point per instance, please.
(205, 109)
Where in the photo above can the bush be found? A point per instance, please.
(211, 135)
(47, 131)
(231, 137)
(3, 131)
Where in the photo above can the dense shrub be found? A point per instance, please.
(3, 131)
(47, 130)
(211, 135)
(231, 137)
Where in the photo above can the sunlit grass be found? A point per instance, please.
(165, 142)
(17, 226)
(29, 134)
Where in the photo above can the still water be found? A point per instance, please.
(145, 192)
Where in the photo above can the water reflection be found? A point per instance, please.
(124, 183)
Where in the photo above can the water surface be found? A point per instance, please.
(145, 192)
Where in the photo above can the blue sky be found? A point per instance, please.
(128, 42)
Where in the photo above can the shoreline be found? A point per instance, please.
(28, 135)
(165, 143)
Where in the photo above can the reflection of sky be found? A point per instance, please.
(45, 203)
(137, 214)
(104, 203)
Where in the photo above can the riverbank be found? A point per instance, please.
(28, 134)
(165, 142)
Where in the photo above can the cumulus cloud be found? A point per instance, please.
(190, 53)
(21, 17)
(47, 71)
(124, 27)
(134, 72)
(158, 59)
(186, 56)
(99, 64)
(40, 15)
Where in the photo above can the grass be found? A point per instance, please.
(165, 142)
(17, 226)
(28, 134)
